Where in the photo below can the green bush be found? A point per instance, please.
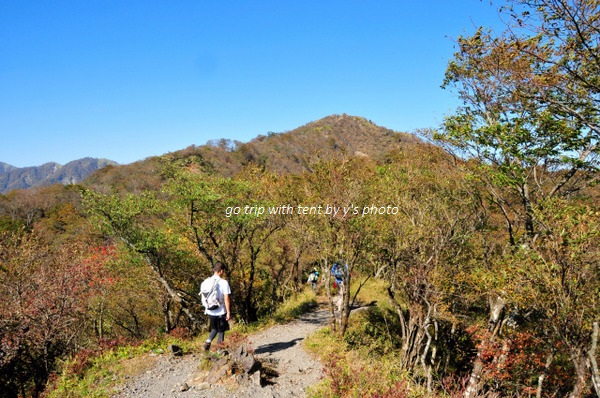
(375, 330)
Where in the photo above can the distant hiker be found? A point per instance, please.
(313, 278)
(338, 275)
(219, 316)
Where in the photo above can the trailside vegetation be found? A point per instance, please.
(451, 299)
(474, 258)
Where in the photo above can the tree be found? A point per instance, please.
(340, 236)
(140, 221)
(424, 250)
(238, 238)
(563, 36)
(564, 284)
(131, 304)
(45, 291)
(549, 292)
(529, 124)
(530, 113)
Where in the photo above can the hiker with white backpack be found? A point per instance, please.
(215, 292)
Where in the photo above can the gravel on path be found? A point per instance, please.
(280, 346)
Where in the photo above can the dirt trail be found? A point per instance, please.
(280, 345)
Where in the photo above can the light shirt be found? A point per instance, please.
(222, 289)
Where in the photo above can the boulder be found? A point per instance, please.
(245, 359)
(175, 350)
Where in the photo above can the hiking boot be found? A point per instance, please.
(206, 346)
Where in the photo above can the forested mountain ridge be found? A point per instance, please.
(49, 173)
(295, 150)
(285, 152)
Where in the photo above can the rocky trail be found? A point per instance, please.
(279, 367)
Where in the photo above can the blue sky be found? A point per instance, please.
(126, 80)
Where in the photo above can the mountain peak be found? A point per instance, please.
(295, 150)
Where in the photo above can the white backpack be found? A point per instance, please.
(209, 293)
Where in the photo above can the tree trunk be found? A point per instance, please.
(474, 384)
(430, 344)
(411, 348)
(249, 310)
(529, 218)
(298, 276)
(153, 261)
(544, 374)
(100, 321)
(579, 362)
(413, 334)
(333, 321)
(497, 305)
(167, 315)
(345, 307)
(592, 363)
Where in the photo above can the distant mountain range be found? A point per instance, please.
(47, 174)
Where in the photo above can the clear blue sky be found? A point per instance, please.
(126, 80)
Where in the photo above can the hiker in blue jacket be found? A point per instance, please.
(338, 275)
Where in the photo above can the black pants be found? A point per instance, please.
(218, 325)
